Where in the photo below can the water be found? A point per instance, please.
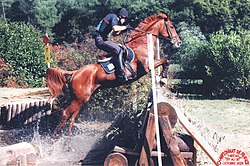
(64, 150)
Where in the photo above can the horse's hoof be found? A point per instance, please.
(164, 74)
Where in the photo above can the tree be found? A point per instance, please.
(46, 14)
(191, 55)
(230, 69)
(228, 15)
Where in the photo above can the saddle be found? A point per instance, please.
(128, 56)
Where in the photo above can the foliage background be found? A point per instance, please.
(21, 51)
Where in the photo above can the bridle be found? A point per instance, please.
(171, 38)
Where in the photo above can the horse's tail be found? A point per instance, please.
(55, 79)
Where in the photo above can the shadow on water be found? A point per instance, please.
(123, 132)
(129, 134)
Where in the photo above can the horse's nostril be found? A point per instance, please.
(179, 43)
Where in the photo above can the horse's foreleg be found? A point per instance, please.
(165, 62)
(162, 61)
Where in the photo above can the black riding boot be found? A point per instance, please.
(120, 74)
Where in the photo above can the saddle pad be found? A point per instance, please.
(109, 67)
(131, 55)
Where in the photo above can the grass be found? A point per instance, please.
(224, 124)
(229, 116)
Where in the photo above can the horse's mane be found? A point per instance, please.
(145, 25)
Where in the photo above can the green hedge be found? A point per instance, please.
(21, 47)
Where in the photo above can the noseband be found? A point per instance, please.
(171, 37)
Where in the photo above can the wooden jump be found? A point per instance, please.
(23, 112)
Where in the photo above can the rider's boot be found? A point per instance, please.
(120, 74)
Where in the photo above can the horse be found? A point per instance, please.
(87, 79)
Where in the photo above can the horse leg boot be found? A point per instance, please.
(164, 72)
(120, 74)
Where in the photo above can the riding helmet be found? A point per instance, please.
(123, 12)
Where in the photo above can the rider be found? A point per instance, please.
(112, 23)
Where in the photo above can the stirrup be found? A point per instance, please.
(121, 77)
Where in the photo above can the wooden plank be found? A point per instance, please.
(148, 141)
(197, 137)
(186, 155)
(125, 151)
(134, 153)
(182, 144)
(171, 141)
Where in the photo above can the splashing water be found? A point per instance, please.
(64, 150)
(68, 150)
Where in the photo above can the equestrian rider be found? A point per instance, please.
(112, 23)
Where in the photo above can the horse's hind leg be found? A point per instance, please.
(75, 108)
(65, 116)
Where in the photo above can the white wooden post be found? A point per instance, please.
(158, 54)
(151, 67)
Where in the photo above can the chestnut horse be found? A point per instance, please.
(88, 78)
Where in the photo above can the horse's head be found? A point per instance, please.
(168, 31)
(159, 24)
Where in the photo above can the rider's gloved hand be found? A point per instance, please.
(129, 27)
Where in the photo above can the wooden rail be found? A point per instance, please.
(14, 114)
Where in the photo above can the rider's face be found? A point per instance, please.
(122, 20)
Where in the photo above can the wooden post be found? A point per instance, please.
(158, 54)
(171, 141)
(116, 159)
(148, 141)
(167, 120)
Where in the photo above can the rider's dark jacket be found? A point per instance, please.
(104, 27)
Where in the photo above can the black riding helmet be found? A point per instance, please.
(123, 13)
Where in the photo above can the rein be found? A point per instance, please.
(170, 38)
(159, 36)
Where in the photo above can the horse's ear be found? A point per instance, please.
(167, 18)
(168, 15)
(162, 15)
